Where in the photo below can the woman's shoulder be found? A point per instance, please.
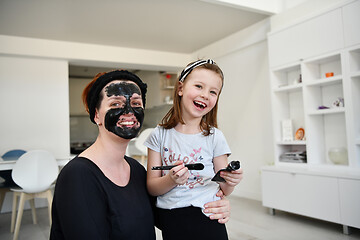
(78, 162)
(135, 163)
(78, 165)
(77, 172)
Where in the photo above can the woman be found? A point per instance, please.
(101, 194)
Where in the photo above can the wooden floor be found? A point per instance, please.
(249, 221)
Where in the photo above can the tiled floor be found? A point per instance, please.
(249, 221)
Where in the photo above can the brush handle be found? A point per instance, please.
(192, 166)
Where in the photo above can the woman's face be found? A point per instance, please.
(121, 110)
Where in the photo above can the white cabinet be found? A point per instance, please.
(315, 83)
(349, 202)
(350, 16)
(301, 193)
(353, 119)
(309, 38)
(329, 196)
(322, 95)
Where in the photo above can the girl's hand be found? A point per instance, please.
(232, 178)
(180, 173)
(220, 209)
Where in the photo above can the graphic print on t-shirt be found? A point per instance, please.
(169, 157)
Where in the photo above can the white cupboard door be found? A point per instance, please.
(308, 195)
(277, 190)
(313, 37)
(350, 202)
(318, 197)
(351, 18)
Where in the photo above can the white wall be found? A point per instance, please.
(34, 93)
(244, 106)
(153, 94)
(91, 54)
(34, 103)
(245, 114)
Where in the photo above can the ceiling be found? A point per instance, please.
(181, 26)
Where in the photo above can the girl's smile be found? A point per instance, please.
(200, 105)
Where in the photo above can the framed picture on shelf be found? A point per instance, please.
(300, 134)
(287, 130)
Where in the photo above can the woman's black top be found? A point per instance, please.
(87, 205)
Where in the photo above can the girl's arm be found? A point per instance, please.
(232, 178)
(159, 185)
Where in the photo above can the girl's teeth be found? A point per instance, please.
(201, 104)
(126, 123)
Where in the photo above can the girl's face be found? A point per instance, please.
(199, 93)
(121, 110)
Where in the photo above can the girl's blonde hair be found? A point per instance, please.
(173, 117)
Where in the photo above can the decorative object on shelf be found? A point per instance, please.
(168, 100)
(339, 102)
(323, 107)
(168, 78)
(338, 155)
(294, 157)
(300, 134)
(297, 80)
(287, 130)
(329, 74)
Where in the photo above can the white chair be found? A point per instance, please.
(6, 181)
(35, 172)
(140, 148)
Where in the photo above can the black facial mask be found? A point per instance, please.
(127, 90)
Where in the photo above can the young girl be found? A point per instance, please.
(188, 134)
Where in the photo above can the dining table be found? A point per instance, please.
(8, 165)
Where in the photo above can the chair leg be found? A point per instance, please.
(143, 159)
(3, 192)
(14, 207)
(33, 210)
(2, 196)
(19, 215)
(49, 198)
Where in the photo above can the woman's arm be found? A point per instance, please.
(220, 209)
(159, 185)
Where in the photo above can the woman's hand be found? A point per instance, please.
(180, 173)
(220, 209)
(232, 178)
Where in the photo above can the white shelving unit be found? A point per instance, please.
(168, 81)
(302, 92)
(354, 89)
(326, 128)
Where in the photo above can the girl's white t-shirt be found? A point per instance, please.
(190, 148)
